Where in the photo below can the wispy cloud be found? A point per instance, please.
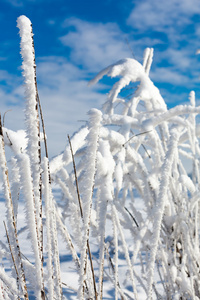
(159, 15)
(168, 76)
(169, 27)
(94, 45)
(21, 3)
(15, 3)
(64, 95)
(65, 98)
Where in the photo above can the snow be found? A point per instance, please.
(17, 140)
(27, 189)
(131, 71)
(116, 214)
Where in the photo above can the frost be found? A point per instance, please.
(16, 140)
(118, 209)
(131, 71)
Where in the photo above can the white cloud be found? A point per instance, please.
(168, 76)
(22, 3)
(169, 28)
(10, 90)
(65, 99)
(179, 59)
(94, 45)
(160, 15)
(16, 3)
(10, 104)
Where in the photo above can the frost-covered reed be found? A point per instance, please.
(128, 203)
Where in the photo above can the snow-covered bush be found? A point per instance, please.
(120, 196)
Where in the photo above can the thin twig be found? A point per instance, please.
(81, 211)
(8, 138)
(131, 216)
(12, 255)
(77, 187)
(128, 44)
(12, 216)
(40, 180)
(135, 136)
(112, 267)
(42, 120)
(5, 115)
(145, 149)
(8, 289)
(76, 179)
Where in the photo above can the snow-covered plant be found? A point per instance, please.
(142, 189)
(120, 197)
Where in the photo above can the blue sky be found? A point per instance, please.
(76, 39)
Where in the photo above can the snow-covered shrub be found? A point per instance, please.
(126, 205)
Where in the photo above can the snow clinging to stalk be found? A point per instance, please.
(26, 183)
(31, 110)
(29, 74)
(32, 124)
(90, 164)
